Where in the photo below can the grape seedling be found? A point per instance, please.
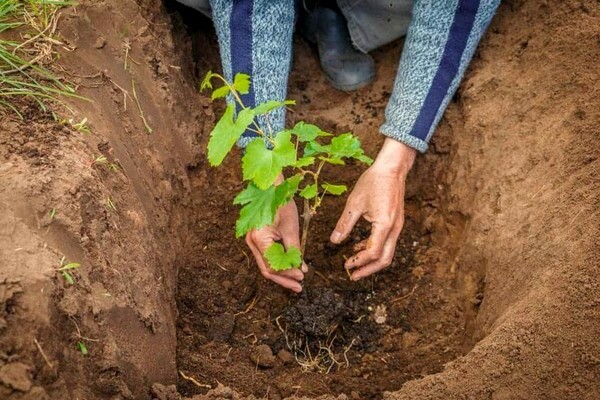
(303, 150)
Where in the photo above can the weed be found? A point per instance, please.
(52, 214)
(137, 102)
(304, 149)
(82, 348)
(110, 205)
(22, 71)
(102, 160)
(65, 267)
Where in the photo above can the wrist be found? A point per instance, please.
(395, 157)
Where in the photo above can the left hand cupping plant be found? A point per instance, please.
(303, 150)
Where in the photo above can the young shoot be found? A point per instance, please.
(65, 267)
(302, 151)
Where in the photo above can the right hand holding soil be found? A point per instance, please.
(378, 197)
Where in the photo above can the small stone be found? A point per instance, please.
(100, 43)
(36, 393)
(263, 356)
(409, 339)
(162, 392)
(418, 272)
(16, 376)
(285, 356)
(226, 285)
(380, 315)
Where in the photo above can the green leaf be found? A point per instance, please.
(68, 277)
(69, 266)
(270, 105)
(281, 260)
(308, 132)
(333, 160)
(313, 148)
(220, 92)
(342, 146)
(260, 206)
(304, 162)
(226, 132)
(262, 165)
(82, 348)
(241, 83)
(334, 189)
(309, 191)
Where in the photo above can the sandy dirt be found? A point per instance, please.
(493, 293)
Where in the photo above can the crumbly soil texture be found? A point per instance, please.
(493, 290)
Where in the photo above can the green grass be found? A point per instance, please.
(22, 75)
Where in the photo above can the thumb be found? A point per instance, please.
(344, 226)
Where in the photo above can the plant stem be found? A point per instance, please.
(306, 216)
(238, 99)
(309, 211)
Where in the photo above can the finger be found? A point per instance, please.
(268, 273)
(375, 247)
(387, 256)
(347, 220)
(385, 260)
(293, 273)
(287, 283)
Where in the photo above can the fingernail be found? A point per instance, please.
(304, 268)
(335, 237)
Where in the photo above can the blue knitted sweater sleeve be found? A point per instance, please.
(441, 40)
(255, 38)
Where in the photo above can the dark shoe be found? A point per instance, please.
(345, 67)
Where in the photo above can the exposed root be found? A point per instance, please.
(194, 381)
(324, 360)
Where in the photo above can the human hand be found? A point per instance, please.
(285, 228)
(378, 197)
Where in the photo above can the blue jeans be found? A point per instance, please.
(372, 23)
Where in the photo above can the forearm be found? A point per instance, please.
(439, 45)
(255, 38)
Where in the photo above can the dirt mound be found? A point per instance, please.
(494, 289)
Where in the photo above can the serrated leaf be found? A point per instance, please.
(271, 105)
(241, 83)
(306, 132)
(281, 260)
(262, 165)
(260, 206)
(68, 277)
(304, 162)
(313, 148)
(334, 189)
(226, 132)
(309, 191)
(342, 146)
(220, 92)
